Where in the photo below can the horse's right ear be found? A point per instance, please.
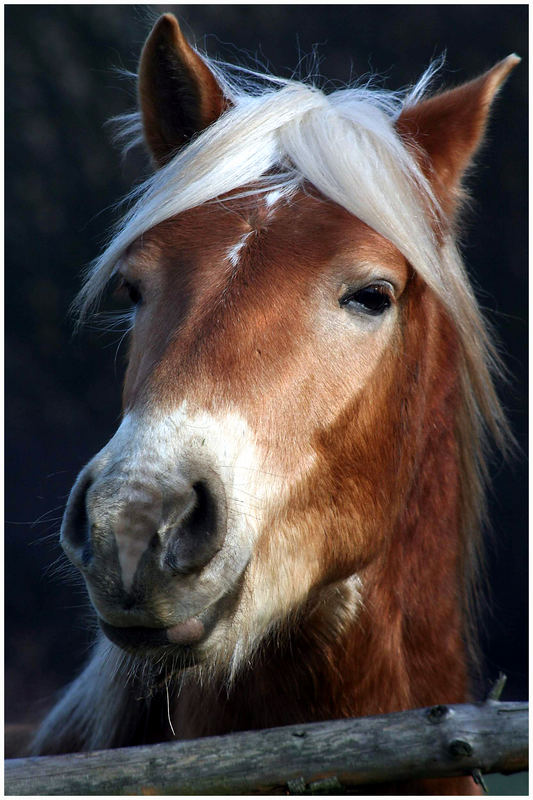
(448, 129)
(178, 94)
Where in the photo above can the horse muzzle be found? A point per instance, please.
(147, 546)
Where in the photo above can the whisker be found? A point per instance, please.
(118, 348)
(47, 537)
(168, 709)
(39, 520)
(112, 321)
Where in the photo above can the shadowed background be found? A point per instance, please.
(63, 175)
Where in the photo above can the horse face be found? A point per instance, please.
(262, 325)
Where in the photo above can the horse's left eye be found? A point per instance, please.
(132, 291)
(373, 300)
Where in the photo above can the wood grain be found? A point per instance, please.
(435, 742)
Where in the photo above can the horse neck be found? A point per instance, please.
(405, 645)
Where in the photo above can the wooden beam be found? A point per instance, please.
(432, 742)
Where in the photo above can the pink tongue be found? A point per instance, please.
(186, 632)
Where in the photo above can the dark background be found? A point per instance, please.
(63, 176)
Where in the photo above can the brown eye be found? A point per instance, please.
(373, 300)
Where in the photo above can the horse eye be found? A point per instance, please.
(132, 290)
(373, 300)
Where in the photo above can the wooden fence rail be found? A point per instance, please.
(325, 756)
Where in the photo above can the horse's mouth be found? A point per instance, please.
(135, 639)
(185, 639)
(142, 631)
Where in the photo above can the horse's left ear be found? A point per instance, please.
(178, 94)
(448, 128)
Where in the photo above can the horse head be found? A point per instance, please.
(303, 343)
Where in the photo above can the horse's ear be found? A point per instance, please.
(178, 94)
(448, 128)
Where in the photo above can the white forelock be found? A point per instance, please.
(344, 143)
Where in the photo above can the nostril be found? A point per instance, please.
(204, 513)
(196, 539)
(75, 530)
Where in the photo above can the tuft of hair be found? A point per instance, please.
(287, 127)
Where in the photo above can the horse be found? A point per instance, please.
(285, 527)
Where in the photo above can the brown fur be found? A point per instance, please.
(405, 649)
